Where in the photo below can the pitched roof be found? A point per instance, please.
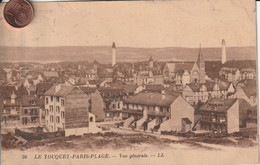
(154, 88)
(247, 70)
(181, 67)
(42, 87)
(244, 105)
(50, 74)
(187, 121)
(88, 90)
(171, 66)
(153, 99)
(7, 91)
(217, 105)
(64, 90)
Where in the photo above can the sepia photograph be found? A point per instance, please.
(129, 82)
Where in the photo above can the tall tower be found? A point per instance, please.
(151, 62)
(201, 66)
(224, 56)
(113, 54)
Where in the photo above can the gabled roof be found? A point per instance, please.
(217, 105)
(88, 90)
(171, 66)
(195, 87)
(154, 88)
(247, 70)
(244, 105)
(64, 90)
(42, 87)
(182, 67)
(153, 99)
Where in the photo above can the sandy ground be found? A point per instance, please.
(152, 150)
(175, 154)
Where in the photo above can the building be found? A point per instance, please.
(96, 102)
(113, 102)
(67, 109)
(157, 111)
(221, 115)
(248, 73)
(196, 92)
(185, 73)
(198, 70)
(18, 107)
(230, 74)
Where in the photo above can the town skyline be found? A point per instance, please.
(124, 54)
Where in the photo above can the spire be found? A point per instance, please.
(200, 54)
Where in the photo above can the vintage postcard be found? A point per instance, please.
(129, 82)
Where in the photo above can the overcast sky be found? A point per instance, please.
(136, 24)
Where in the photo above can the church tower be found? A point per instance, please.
(113, 54)
(224, 56)
(201, 66)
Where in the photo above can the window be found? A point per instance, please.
(62, 115)
(118, 105)
(47, 112)
(51, 108)
(51, 98)
(25, 111)
(51, 118)
(114, 106)
(58, 119)
(161, 109)
(62, 102)
(57, 109)
(153, 108)
(58, 99)
(47, 101)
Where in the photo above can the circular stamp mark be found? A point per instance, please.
(18, 13)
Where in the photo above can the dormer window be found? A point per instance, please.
(13, 96)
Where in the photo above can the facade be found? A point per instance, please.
(67, 109)
(157, 111)
(221, 115)
(230, 74)
(96, 102)
(18, 107)
(195, 92)
(185, 73)
(248, 73)
(113, 102)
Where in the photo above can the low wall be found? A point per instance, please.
(38, 135)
